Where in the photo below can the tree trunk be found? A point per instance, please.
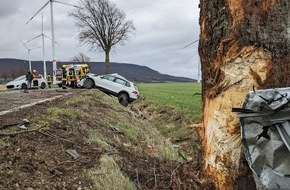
(107, 61)
(243, 43)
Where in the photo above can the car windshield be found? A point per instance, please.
(58, 72)
(20, 78)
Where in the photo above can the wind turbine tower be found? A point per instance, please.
(28, 51)
(42, 35)
(52, 29)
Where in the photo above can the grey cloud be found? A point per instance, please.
(163, 28)
(8, 8)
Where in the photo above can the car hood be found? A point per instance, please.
(15, 82)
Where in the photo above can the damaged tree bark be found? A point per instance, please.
(243, 43)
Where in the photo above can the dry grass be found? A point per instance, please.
(108, 176)
(2, 87)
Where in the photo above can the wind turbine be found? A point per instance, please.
(28, 51)
(52, 29)
(42, 35)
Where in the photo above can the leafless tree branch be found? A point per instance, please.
(81, 58)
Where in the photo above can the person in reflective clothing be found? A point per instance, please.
(49, 80)
(82, 72)
(72, 77)
(35, 78)
(64, 75)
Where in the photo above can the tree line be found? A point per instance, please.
(12, 73)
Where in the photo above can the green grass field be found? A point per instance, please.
(178, 95)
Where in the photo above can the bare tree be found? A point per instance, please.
(20, 71)
(5, 75)
(13, 73)
(81, 58)
(102, 26)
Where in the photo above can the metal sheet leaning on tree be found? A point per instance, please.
(265, 129)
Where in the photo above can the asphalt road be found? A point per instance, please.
(12, 100)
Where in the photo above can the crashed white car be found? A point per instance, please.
(113, 84)
(21, 83)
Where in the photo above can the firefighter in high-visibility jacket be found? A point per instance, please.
(49, 80)
(64, 75)
(77, 77)
(72, 77)
(87, 70)
(82, 72)
(35, 78)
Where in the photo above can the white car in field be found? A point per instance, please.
(21, 83)
(113, 84)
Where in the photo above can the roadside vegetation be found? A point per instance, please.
(142, 146)
(151, 144)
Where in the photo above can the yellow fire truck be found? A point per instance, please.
(71, 74)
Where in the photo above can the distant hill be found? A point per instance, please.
(136, 73)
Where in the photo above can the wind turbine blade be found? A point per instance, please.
(47, 37)
(57, 43)
(24, 44)
(37, 12)
(51, 39)
(33, 38)
(189, 44)
(66, 4)
(42, 23)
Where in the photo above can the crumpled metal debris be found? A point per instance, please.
(116, 130)
(265, 129)
(73, 153)
(22, 126)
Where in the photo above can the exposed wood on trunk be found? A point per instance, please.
(242, 44)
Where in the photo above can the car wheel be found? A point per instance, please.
(43, 85)
(24, 86)
(88, 83)
(123, 99)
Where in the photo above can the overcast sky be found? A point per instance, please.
(163, 28)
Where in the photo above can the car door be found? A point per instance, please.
(106, 82)
(40, 79)
(120, 85)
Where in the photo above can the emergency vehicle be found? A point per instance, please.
(71, 72)
(58, 76)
